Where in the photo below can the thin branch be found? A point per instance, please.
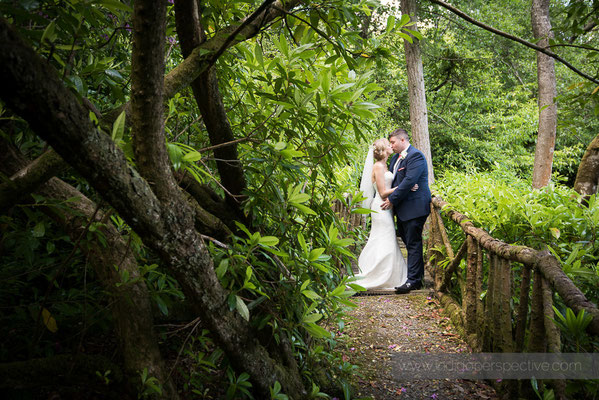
(248, 137)
(464, 16)
(216, 242)
(233, 35)
(574, 45)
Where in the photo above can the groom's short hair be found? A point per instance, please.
(400, 133)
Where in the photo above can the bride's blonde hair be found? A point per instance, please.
(380, 146)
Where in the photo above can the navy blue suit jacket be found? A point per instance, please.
(407, 204)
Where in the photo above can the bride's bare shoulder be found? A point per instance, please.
(380, 166)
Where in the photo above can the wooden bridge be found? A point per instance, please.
(485, 310)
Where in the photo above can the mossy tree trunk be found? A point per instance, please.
(131, 309)
(151, 203)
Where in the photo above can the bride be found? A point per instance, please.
(381, 263)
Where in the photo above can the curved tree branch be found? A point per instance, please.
(29, 178)
(34, 91)
(202, 57)
(543, 50)
(131, 308)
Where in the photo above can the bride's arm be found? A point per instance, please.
(379, 178)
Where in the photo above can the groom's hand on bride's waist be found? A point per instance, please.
(386, 205)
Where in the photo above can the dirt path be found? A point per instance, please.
(383, 326)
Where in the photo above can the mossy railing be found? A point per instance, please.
(483, 309)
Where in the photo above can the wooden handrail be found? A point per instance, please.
(544, 261)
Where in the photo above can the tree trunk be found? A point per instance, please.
(131, 307)
(210, 103)
(541, 27)
(416, 92)
(34, 91)
(587, 178)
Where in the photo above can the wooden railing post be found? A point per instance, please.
(433, 254)
(522, 316)
(489, 324)
(538, 338)
(505, 308)
(469, 298)
(480, 305)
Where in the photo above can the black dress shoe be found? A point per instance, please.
(407, 287)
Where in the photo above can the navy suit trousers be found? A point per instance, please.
(410, 232)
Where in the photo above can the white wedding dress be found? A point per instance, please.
(381, 263)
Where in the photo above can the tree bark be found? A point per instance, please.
(587, 178)
(131, 308)
(416, 92)
(147, 88)
(470, 297)
(541, 27)
(210, 103)
(522, 315)
(26, 180)
(538, 338)
(35, 92)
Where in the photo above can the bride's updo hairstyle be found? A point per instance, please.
(379, 148)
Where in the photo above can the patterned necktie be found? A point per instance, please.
(396, 166)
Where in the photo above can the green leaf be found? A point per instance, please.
(316, 330)
(49, 33)
(305, 284)
(407, 37)
(361, 211)
(312, 317)
(405, 18)
(192, 156)
(414, 33)
(283, 45)
(258, 54)
(366, 114)
(291, 153)
(339, 290)
(242, 308)
(302, 242)
(325, 80)
(118, 128)
(390, 23)
(77, 83)
(303, 208)
(175, 155)
(161, 305)
(39, 230)
(243, 228)
(315, 253)
(269, 240)
(114, 5)
(297, 197)
(280, 146)
(366, 105)
(311, 294)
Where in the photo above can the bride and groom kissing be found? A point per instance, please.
(402, 191)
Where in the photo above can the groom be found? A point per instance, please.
(411, 207)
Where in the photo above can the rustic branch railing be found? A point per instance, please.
(488, 322)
